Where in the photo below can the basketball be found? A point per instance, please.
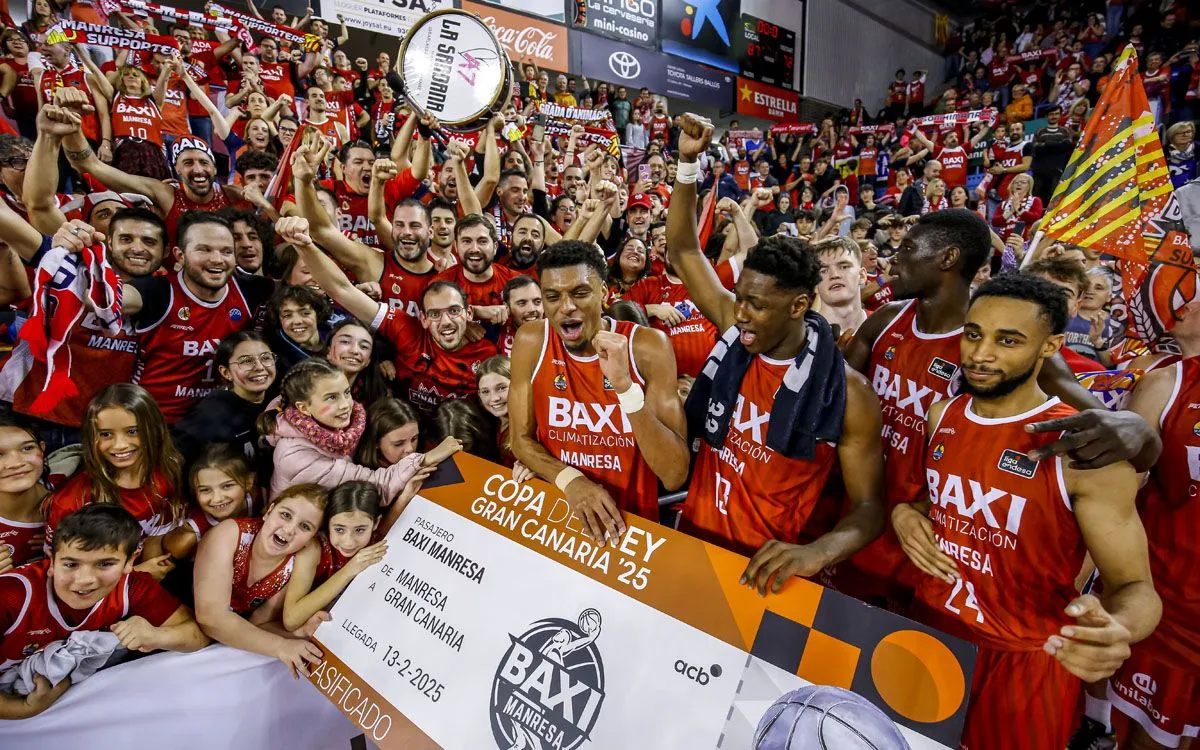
(589, 621)
(826, 718)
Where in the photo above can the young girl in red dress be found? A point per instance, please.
(22, 459)
(242, 568)
(128, 460)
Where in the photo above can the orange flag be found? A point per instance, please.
(1115, 197)
(708, 216)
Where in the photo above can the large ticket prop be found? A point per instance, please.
(494, 623)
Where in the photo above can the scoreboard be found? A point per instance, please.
(767, 52)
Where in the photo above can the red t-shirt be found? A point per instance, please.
(147, 504)
(694, 336)
(481, 294)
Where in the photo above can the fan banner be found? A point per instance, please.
(78, 32)
(1032, 55)
(493, 622)
(597, 125)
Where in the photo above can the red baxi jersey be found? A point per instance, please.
(580, 421)
(1008, 524)
(745, 494)
(148, 504)
(909, 371)
(480, 293)
(327, 129)
(277, 79)
(31, 616)
(137, 117)
(245, 597)
(433, 374)
(401, 288)
(71, 77)
(694, 336)
(175, 363)
(182, 204)
(23, 539)
(1171, 515)
(23, 99)
(954, 166)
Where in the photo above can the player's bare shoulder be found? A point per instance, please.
(862, 404)
(652, 350)
(528, 342)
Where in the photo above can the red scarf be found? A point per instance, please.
(335, 442)
(1010, 224)
(937, 204)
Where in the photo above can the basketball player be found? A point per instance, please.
(909, 351)
(593, 402)
(1005, 528)
(841, 279)
(88, 584)
(745, 495)
(403, 273)
(1159, 687)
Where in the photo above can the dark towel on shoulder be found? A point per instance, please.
(810, 404)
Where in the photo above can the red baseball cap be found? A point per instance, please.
(640, 199)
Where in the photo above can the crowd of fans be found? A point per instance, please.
(321, 291)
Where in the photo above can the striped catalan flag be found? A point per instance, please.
(1115, 197)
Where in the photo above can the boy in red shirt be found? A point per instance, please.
(87, 584)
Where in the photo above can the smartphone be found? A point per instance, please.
(643, 172)
(539, 132)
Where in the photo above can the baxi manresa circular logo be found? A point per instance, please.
(550, 685)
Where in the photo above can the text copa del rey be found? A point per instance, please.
(526, 42)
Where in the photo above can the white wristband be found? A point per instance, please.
(632, 400)
(687, 172)
(565, 477)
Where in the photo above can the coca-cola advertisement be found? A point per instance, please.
(525, 37)
(630, 21)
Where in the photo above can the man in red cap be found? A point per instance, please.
(637, 216)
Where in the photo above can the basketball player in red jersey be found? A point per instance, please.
(1005, 529)
(744, 494)
(593, 403)
(909, 351)
(433, 354)
(1159, 686)
(88, 584)
(403, 273)
(196, 188)
(335, 132)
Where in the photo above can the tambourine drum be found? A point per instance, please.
(454, 68)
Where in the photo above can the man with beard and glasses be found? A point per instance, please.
(593, 402)
(403, 273)
(433, 354)
(195, 189)
(990, 475)
(523, 298)
(528, 239)
(181, 317)
(759, 476)
(475, 244)
(136, 240)
(909, 351)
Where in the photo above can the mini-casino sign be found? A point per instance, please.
(549, 688)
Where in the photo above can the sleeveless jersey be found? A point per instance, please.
(694, 336)
(331, 561)
(867, 156)
(182, 204)
(23, 99)
(137, 117)
(327, 129)
(580, 421)
(744, 493)
(98, 359)
(148, 504)
(1171, 515)
(728, 272)
(276, 79)
(401, 288)
(22, 539)
(175, 108)
(245, 597)
(175, 363)
(200, 522)
(352, 213)
(71, 77)
(909, 371)
(954, 166)
(1007, 522)
(29, 592)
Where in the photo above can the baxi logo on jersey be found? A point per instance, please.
(550, 685)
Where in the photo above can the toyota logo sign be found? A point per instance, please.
(624, 65)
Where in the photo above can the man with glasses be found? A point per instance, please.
(434, 357)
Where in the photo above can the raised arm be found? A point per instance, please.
(468, 198)
(294, 231)
(307, 66)
(363, 262)
(402, 139)
(41, 176)
(683, 241)
(221, 123)
(491, 163)
(95, 77)
(423, 152)
(381, 171)
(345, 35)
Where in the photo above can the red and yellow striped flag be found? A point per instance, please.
(1115, 197)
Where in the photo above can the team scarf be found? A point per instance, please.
(598, 127)
(1010, 224)
(871, 129)
(988, 115)
(184, 17)
(937, 204)
(305, 41)
(66, 287)
(1030, 55)
(794, 128)
(78, 32)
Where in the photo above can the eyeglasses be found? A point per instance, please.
(266, 359)
(457, 311)
(16, 162)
